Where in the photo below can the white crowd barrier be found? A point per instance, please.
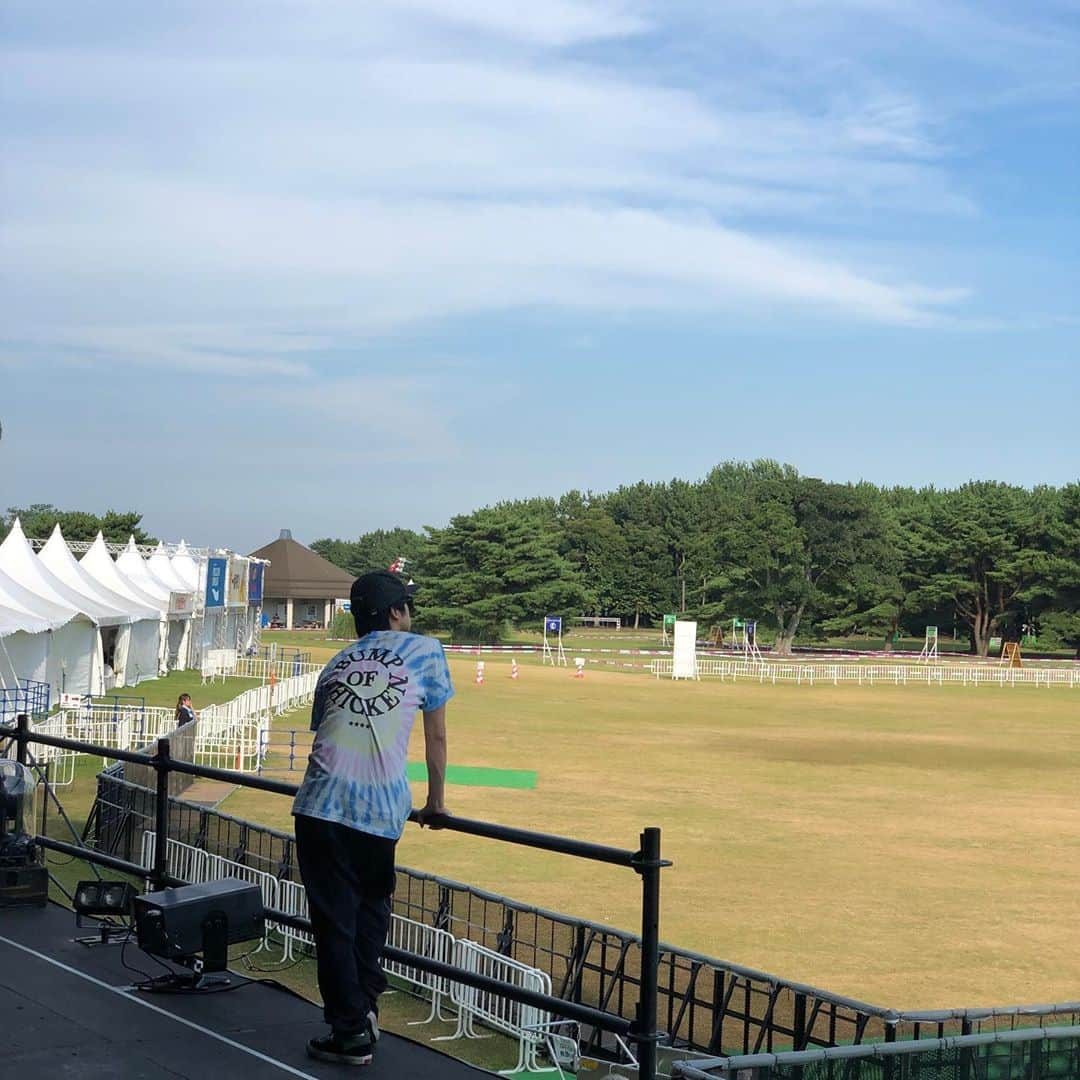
(424, 941)
(959, 674)
(231, 735)
(525, 1023)
(293, 900)
(61, 763)
(185, 862)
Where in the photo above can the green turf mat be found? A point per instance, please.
(478, 776)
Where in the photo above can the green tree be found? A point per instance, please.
(375, 550)
(496, 566)
(1059, 618)
(980, 548)
(39, 519)
(647, 584)
(793, 546)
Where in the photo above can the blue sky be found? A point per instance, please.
(332, 267)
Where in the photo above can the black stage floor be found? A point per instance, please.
(66, 1010)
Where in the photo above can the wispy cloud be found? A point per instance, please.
(338, 172)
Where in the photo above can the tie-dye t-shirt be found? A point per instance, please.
(365, 702)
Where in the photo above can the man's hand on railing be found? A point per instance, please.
(429, 814)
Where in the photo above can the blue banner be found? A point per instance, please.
(216, 572)
(553, 624)
(255, 582)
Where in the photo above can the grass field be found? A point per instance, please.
(911, 846)
(586, 637)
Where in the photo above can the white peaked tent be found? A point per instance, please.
(116, 628)
(185, 567)
(74, 657)
(24, 639)
(162, 568)
(137, 651)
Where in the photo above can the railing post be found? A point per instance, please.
(161, 815)
(645, 1032)
(22, 738)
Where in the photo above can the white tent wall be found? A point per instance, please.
(121, 653)
(73, 648)
(75, 663)
(144, 652)
(24, 656)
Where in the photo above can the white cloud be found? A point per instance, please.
(192, 201)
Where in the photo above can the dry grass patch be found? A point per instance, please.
(912, 846)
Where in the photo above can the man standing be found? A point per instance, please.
(355, 799)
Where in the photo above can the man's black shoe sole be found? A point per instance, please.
(335, 1057)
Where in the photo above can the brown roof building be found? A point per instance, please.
(300, 587)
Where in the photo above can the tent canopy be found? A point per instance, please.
(98, 563)
(57, 557)
(161, 567)
(18, 561)
(185, 567)
(298, 572)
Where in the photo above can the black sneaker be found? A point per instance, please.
(356, 1049)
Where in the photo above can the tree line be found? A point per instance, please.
(751, 540)
(757, 541)
(39, 519)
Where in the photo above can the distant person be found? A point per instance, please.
(185, 714)
(354, 801)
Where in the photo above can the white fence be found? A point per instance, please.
(523, 1022)
(231, 735)
(961, 674)
(426, 941)
(220, 663)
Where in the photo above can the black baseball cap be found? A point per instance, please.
(378, 591)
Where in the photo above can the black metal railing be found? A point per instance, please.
(646, 861)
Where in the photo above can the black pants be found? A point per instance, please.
(349, 878)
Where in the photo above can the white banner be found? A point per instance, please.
(684, 658)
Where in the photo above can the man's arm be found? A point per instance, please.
(435, 752)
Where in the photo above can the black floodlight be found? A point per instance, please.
(194, 925)
(103, 898)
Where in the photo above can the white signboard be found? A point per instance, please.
(684, 660)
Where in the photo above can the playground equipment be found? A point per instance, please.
(668, 631)
(930, 645)
(554, 653)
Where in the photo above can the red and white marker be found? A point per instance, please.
(579, 661)
(513, 669)
(479, 672)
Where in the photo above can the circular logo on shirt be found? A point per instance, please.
(368, 683)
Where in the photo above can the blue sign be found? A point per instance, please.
(255, 582)
(553, 624)
(217, 570)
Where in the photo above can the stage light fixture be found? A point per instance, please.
(103, 898)
(194, 925)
